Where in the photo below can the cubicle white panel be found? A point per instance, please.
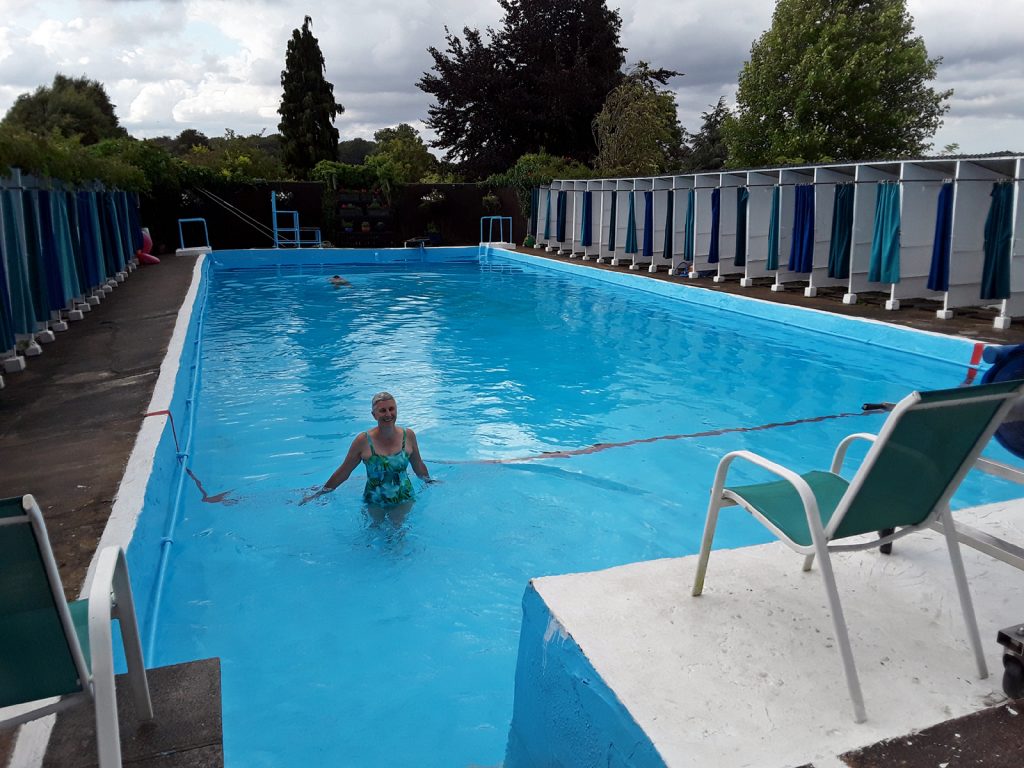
(825, 181)
(704, 185)
(661, 187)
(920, 193)
(594, 187)
(729, 184)
(759, 207)
(971, 200)
(1014, 306)
(607, 194)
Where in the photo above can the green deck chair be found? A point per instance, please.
(50, 648)
(916, 462)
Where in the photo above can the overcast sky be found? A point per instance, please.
(216, 64)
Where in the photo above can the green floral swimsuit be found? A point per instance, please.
(387, 482)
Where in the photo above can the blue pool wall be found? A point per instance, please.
(557, 690)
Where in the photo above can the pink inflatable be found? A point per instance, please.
(143, 254)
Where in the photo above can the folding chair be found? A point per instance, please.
(916, 462)
(51, 648)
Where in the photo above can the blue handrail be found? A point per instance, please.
(181, 235)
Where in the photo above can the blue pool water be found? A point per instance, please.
(350, 641)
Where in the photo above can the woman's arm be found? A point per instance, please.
(414, 457)
(341, 474)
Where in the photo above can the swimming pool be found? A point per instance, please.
(350, 642)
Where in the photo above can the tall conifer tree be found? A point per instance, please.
(308, 108)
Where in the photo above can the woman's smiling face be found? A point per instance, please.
(385, 411)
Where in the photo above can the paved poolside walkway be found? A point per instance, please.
(68, 423)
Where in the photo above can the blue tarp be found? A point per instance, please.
(648, 246)
(801, 249)
(742, 199)
(773, 231)
(586, 220)
(942, 243)
(995, 275)
(666, 247)
(688, 228)
(842, 232)
(716, 214)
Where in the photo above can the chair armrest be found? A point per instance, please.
(807, 497)
(840, 455)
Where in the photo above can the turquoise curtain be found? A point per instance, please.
(534, 204)
(688, 227)
(37, 271)
(92, 243)
(773, 231)
(666, 247)
(885, 241)
(716, 218)
(842, 232)
(995, 275)
(942, 242)
(70, 280)
(612, 228)
(631, 224)
(15, 249)
(801, 249)
(742, 200)
(648, 246)
(585, 220)
(547, 215)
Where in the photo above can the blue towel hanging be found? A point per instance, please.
(612, 226)
(995, 275)
(942, 243)
(585, 220)
(560, 214)
(666, 246)
(842, 232)
(801, 250)
(773, 231)
(885, 240)
(631, 224)
(688, 227)
(648, 246)
(716, 212)
(742, 198)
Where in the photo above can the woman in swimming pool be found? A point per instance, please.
(386, 450)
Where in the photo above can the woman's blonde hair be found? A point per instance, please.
(381, 396)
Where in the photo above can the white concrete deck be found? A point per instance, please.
(748, 675)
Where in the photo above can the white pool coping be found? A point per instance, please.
(747, 674)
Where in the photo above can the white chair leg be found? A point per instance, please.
(110, 597)
(966, 604)
(808, 562)
(709, 535)
(842, 638)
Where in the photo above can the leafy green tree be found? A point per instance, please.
(532, 170)
(521, 91)
(308, 108)
(238, 158)
(708, 150)
(637, 130)
(401, 157)
(72, 106)
(836, 80)
(354, 151)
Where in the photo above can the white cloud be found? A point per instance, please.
(215, 64)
